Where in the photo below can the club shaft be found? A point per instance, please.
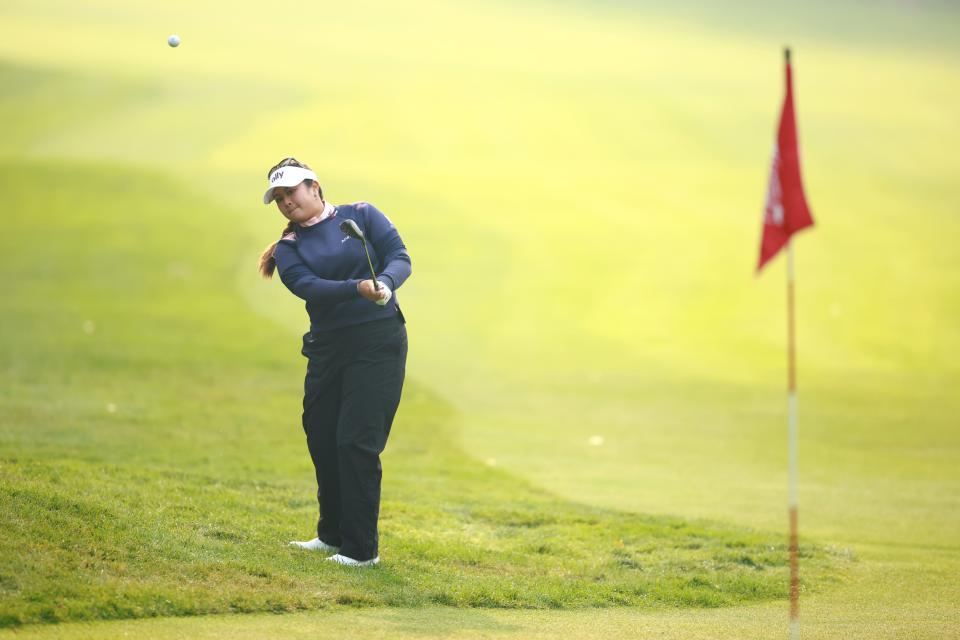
(373, 274)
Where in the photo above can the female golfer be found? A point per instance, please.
(356, 350)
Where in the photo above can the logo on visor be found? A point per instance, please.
(276, 176)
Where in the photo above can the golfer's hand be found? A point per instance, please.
(385, 294)
(373, 295)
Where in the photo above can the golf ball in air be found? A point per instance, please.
(174, 41)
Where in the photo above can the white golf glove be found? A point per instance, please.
(385, 292)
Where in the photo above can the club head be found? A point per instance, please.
(350, 228)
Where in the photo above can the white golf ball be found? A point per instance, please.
(174, 41)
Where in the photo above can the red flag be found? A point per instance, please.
(786, 210)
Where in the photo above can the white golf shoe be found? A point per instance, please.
(350, 562)
(315, 545)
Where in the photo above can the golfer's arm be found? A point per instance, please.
(305, 284)
(388, 244)
(397, 269)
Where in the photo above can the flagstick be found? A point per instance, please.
(793, 437)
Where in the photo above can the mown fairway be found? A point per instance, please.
(579, 187)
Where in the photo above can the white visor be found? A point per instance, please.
(287, 177)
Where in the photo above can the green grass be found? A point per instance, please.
(465, 122)
(153, 467)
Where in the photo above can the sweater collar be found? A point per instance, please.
(329, 211)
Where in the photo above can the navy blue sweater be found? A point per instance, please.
(323, 266)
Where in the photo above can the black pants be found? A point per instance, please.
(351, 393)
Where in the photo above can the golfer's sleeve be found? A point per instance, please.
(386, 241)
(304, 283)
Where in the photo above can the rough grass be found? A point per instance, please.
(89, 541)
(151, 462)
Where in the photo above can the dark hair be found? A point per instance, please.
(268, 263)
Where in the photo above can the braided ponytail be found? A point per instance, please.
(268, 264)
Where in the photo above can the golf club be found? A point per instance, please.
(350, 228)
